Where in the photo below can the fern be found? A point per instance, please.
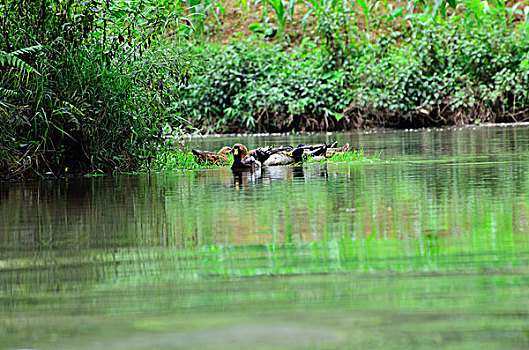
(11, 59)
(6, 92)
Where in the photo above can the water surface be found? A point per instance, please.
(427, 248)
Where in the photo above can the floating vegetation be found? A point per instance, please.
(346, 157)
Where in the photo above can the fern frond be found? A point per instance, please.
(11, 59)
(6, 92)
(26, 50)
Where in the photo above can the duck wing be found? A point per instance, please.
(316, 151)
(262, 154)
(206, 157)
(251, 161)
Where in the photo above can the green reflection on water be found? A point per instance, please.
(427, 249)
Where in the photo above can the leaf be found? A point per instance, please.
(256, 28)
(11, 59)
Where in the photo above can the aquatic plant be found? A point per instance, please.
(175, 158)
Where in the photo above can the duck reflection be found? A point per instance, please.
(266, 175)
(282, 172)
(243, 177)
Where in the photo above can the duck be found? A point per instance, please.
(285, 157)
(206, 157)
(263, 153)
(332, 151)
(319, 153)
(315, 151)
(242, 160)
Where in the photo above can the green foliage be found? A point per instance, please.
(11, 59)
(174, 159)
(200, 10)
(100, 86)
(249, 87)
(281, 14)
(437, 71)
(345, 157)
(336, 26)
(16, 71)
(434, 8)
(444, 74)
(84, 85)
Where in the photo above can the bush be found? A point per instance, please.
(449, 73)
(433, 71)
(91, 96)
(251, 87)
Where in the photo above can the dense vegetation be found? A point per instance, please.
(98, 85)
(434, 67)
(83, 84)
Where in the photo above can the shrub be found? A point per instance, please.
(437, 72)
(448, 73)
(253, 87)
(94, 97)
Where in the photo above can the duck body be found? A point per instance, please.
(284, 158)
(321, 152)
(206, 157)
(264, 153)
(332, 151)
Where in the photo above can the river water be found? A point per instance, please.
(426, 248)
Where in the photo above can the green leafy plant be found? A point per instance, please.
(447, 75)
(96, 103)
(264, 89)
(435, 72)
(367, 13)
(283, 13)
(335, 22)
(16, 70)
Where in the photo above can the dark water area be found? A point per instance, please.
(426, 248)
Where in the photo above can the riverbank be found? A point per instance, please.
(434, 72)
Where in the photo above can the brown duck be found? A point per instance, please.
(332, 151)
(206, 157)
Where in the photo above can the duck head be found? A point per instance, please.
(239, 151)
(242, 160)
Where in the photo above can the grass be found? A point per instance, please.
(347, 157)
(179, 159)
(175, 160)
